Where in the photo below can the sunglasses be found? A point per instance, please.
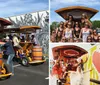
(86, 25)
(63, 39)
(53, 32)
(89, 39)
(94, 32)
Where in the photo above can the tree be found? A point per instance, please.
(96, 24)
(54, 25)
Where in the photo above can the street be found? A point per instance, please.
(32, 75)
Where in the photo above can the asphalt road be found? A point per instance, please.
(32, 75)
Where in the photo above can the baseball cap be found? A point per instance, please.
(7, 38)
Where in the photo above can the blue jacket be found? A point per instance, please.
(9, 48)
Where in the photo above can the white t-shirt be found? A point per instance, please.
(15, 41)
(34, 41)
(77, 78)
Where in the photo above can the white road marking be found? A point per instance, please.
(47, 78)
(17, 65)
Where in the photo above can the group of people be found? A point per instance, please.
(23, 38)
(75, 31)
(9, 43)
(62, 70)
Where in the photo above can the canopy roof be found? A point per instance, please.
(29, 27)
(5, 22)
(68, 51)
(76, 12)
(22, 29)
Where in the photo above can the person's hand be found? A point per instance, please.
(91, 69)
(2, 43)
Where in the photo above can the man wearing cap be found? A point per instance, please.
(10, 53)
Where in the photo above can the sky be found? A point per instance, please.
(16, 7)
(57, 4)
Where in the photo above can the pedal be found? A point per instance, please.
(3, 71)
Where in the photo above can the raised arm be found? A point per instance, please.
(87, 71)
(63, 34)
(88, 21)
(80, 34)
(73, 34)
(56, 30)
